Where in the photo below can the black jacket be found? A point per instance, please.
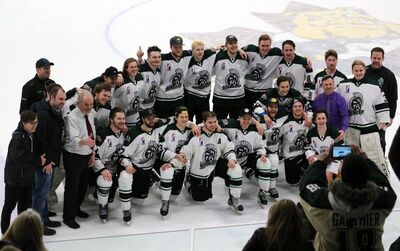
(33, 91)
(394, 156)
(48, 135)
(20, 161)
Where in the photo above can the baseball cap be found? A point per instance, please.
(231, 39)
(43, 62)
(272, 101)
(148, 112)
(355, 170)
(180, 109)
(111, 72)
(245, 112)
(176, 41)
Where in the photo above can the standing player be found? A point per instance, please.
(297, 69)
(263, 62)
(109, 142)
(203, 152)
(229, 68)
(367, 108)
(250, 150)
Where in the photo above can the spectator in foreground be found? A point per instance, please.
(284, 219)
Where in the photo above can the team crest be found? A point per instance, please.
(273, 137)
(203, 80)
(149, 153)
(256, 72)
(298, 141)
(242, 149)
(356, 104)
(232, 80)
(209, 157)
(175, 80)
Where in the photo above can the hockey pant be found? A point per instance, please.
(125, 189)
(263, 174)
(295, 168)
(200, 188)
(171, 181)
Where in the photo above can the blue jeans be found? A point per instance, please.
(41, 192)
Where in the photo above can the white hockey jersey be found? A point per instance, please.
(337, 78)
(229, 78)
(316, 144)
(151, 82)
(261, 71)
(198, 77)
(172, 141)
(109, 146)
(367, 103)
(272, 133)
(294, 137)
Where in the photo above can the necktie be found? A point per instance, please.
(328, 105)
(89, 127)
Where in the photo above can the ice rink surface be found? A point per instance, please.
(84, 37)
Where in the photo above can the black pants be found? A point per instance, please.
(196, 106)
(166, 109)
(223, 112)
(21, 195)
(76, 182)
(295, 168)
(251, 98)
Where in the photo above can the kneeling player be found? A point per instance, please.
(204, 152)
(109, 143)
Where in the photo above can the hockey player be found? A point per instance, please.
(369, 112)
(203, 152)
(173, 138)
(197, 81)
(110, 76)
(297, 68)
(230, 69)
(293, 133)
(331, 59)
(272, 136)
(109, 142)
(261, 71)
(128, 95)
(250, 150)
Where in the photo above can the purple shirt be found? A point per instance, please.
(338, 112)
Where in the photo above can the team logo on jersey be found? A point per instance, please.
(232, 80)
(134, 105)
(128, 90)
(175, 80)
(202, 81)
(179, 146)
(256, 72)
(290, 128)
(292, 79)
(322, 149)
(298, 141)
(109, 143)
(151, 95)
(273, 137)
(173, 137)
(243, 148)
(111, 164)
(150, 152)
(209, 157)
(356, 104)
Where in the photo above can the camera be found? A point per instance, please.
(340, 151)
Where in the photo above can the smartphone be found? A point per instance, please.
(340, 151)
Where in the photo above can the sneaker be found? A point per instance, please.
(164, 208)
(262, 198)
(72, 224)
(103, 212)
(82, 214)
(48, 231)
(50, 223)
(127, 217)
(234, 205)
(273, 193)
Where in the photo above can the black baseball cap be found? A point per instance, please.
(272, 101)
(111, 72)
(148, 112)
(43, 62)
(245, 112)
(231, 39)
(176, 41)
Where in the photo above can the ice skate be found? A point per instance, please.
(234, 205)
(273, 193)
(103, 213)
(262, 198)
(164, 209)
(127, 217)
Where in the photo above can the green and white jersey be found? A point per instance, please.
(272, 133)
(151, 82)
(246, 141)
(229, 78)
(300, 77)
(337, 78)
(127, 97)
(198, 77)
(261, 71)
(109, 146)
(172, 75)
(367, 103)
(172, 140)
(317, 144)
(294, 137)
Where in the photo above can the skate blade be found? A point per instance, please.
(128, 223)
(164, 217)
(103, 221)
(233, 210)
(263, 206)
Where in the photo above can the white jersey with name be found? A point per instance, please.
(151, 82)
(261, 71)
(109, 146)
(294, 137)
(229, 78)
(204, 151)
(246, 141)
(172, 75)
(367, 103)
(172, 141)
(198, 77)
